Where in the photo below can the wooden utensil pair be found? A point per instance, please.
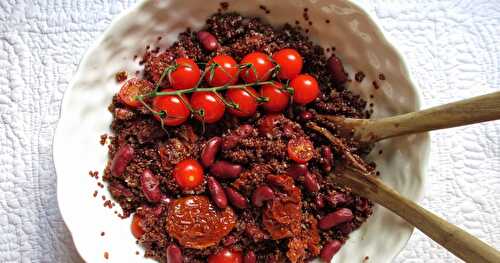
(362, 182)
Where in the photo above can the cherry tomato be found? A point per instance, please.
(134, 87)
(277, 97)
(226, 255)
(290, 62)
(259, 63)
(212, 106)
(176, 111)
(246, 102)
(306, 89)
(136, 226)
(225, 73)
(187, 74)
(188, 174)
(301, 150)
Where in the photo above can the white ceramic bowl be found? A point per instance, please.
(84, 116)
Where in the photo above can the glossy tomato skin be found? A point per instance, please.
(177, 111)
(136, 226)
(306, 89)
(246, 102)
(134, 87)
(277, 97)
(261, 63)
(300, 150)
(186, 76)
(226, 73)
(188, 174)
(212, 106)
(290, 62)
(226, 255)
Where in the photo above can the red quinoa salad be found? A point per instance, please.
(211, 154)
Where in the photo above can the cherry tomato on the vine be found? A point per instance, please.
(290, 62)
(306, 89)
(136, 226)
(256, 63)
(277, 97)
(176, 112)
(188, 174)
(212, 106)
(226, 255)
(301, 150)
(186, 75)
(134, 87)
(224, 73)
(247, 103)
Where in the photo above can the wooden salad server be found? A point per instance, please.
(474, 110)
(365, 183)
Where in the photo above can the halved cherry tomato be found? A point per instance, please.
(187, 74)
(176, 111)
(136, 226)
(306, 89)
(277, 97)
(225, 73)
(134, 87)
(259, 63)
(301, 150)
(247, 103)
(212, 106)
(188, 174)
(226, 255)
(290, 62)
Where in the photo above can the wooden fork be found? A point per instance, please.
(356, 176)
(474, 110)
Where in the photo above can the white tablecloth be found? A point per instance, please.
(452, 49)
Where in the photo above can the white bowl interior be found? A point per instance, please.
(84, 116)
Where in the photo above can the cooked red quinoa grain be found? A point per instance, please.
(277, 224)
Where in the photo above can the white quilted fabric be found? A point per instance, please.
(451, 47)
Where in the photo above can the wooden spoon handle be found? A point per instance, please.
(454, 239)
(469, 111)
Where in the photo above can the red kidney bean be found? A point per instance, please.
(207, 40)
(329, 250)
(262, 194)
(310, 183)
(327, 154)
(174, 254)
(230, 141)
(150, 185)
(210, 151)
(236, 199)
(337, 69)
(217, 192)
(225, 170)
(335, 218)
(250, 257)
(244, 130)
(121, 159)
(319, 201)
(296, 170)
(306, 115)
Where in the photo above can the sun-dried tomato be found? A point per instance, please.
(196, 223)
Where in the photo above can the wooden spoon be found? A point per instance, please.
(362, 182)
(469, 111)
